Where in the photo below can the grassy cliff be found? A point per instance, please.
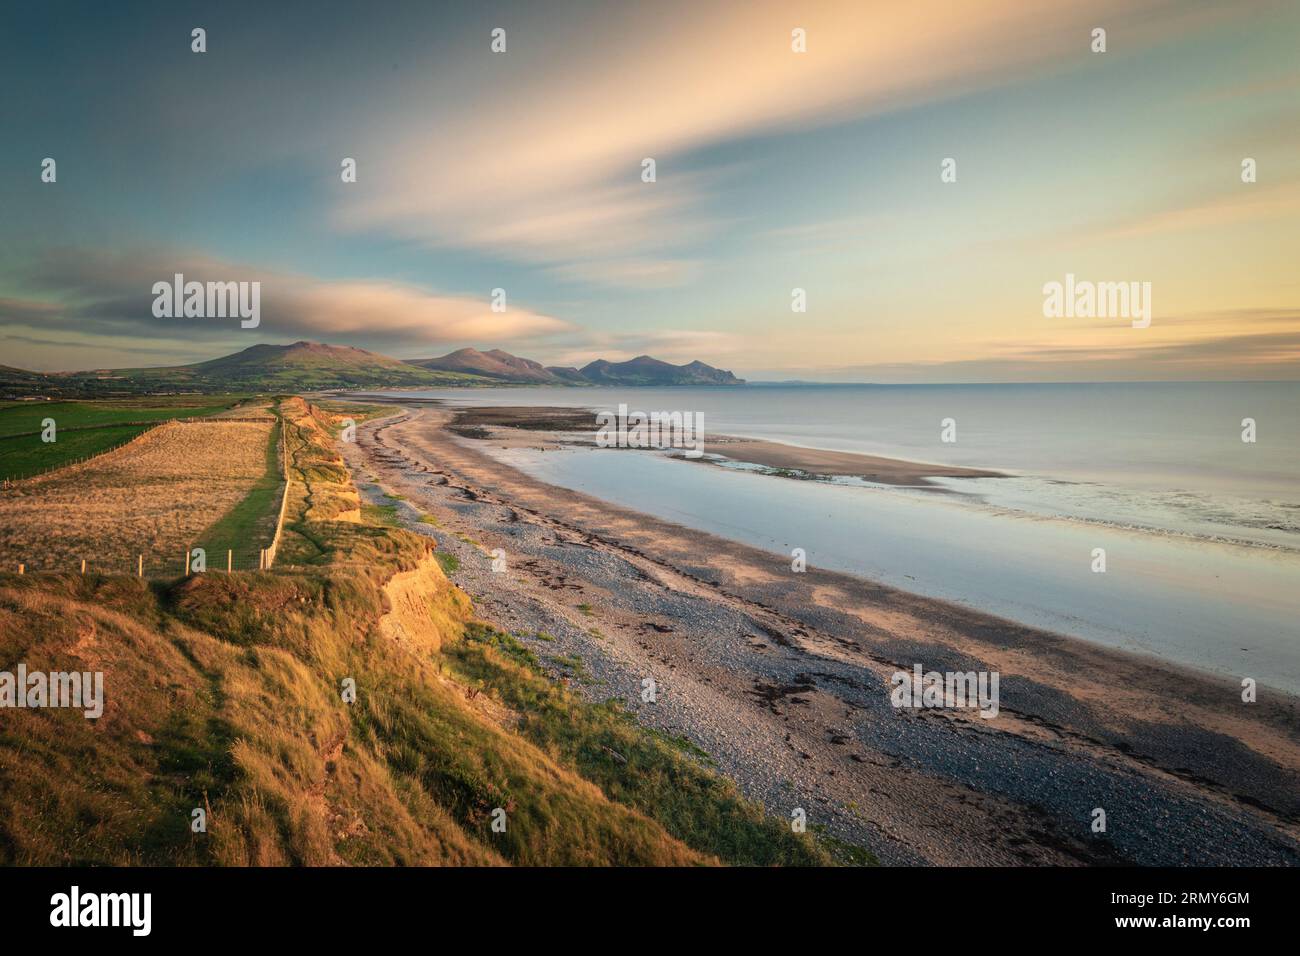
(224, 692)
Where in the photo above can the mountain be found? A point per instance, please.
(340, 359)
(644, 370)
(567, 376)
(495, 364)
(300, 367)
(313, 366)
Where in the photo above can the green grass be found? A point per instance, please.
(22, 417)
(449, 562)
(663, 777)
(385, 515)
(22, 453)
(225, 693)
(250, 525)
(429, 519)
(357, 411)
(28, 455)
(574, 665)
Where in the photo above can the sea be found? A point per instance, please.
(1190, 492)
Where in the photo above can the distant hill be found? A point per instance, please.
(644, 370)
(567, 376)
(300, 367)
(495, 364)
(313, 366)
(20, 383)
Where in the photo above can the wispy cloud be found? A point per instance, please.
(1218, 354)
(70, 288)
(550, 171)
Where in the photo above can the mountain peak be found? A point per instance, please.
(642, 370)
(646, 370)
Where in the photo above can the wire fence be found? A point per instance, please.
(268, 556)
(154, 564)
(148, 427)
(13, 480)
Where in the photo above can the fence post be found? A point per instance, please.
(139, 568)
(20, 568)
(83, 565)
(187, 562)
(229, 553)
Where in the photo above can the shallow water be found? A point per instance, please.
(1229, 609)
(1201, 530)
(1163, 456)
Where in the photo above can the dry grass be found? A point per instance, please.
(153, 497)
(223, 692)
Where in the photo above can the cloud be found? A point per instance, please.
(631, 273)
(1216, 356)
(549, 172)
(1243, 203)
(72, 289)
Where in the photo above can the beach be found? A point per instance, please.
(553, 427)
(783, 679)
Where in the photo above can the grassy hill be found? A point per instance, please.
(644, 370)
(302, 366)
(223, 693)
(494, 364)
(313, 366)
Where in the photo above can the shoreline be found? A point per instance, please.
(511, 426)
(785, 678)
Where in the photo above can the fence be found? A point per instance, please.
(148, 426)
(153, 564)
(269, 553)
(73, 462)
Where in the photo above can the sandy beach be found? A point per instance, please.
(782, 679)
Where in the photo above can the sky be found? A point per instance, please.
(775, 169)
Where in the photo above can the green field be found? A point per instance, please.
(85, 428)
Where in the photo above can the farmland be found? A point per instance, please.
(205, 484)
(85, 428)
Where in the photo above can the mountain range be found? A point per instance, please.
(642, 370)
(313, 366)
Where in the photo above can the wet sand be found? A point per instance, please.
(528, 426)
(817, 461)
(783, 679)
